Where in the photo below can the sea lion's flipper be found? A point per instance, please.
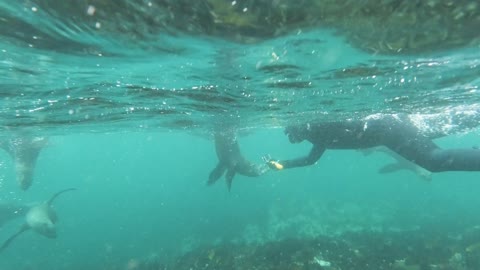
(7, 242)
(229, 178)
(49, 202)
(216, 173)
(25, 150)
(392, 167)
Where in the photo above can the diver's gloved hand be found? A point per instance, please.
(273, 164)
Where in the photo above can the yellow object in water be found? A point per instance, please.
(277, 165)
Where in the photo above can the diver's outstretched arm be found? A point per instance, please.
(314, 155)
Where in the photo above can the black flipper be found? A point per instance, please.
(58, 193)
(216, 173)
(392, 167)
(229, 178)
(7, 242)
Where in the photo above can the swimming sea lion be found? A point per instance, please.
(41, 218)
(24, 150)
(231, 161)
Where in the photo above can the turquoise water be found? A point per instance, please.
(129, 114)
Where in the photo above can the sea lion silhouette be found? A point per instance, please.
(24, 150)
(231, 160)
(41, 218)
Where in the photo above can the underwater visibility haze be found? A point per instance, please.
(120, 100)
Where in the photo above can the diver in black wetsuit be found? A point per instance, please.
(395, 132)
(231, 161)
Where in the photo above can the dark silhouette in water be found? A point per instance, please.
(231, 161)
(41, 218)
(396, 132)
(24, 150)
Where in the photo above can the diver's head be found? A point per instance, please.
(296, 134)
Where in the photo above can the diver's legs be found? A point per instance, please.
(454, 160)
(428, 155)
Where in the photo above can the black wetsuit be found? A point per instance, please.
(397, 133)
(231, 161)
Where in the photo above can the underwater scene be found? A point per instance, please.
(220, 134)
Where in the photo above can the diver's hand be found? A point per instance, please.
(272, 164)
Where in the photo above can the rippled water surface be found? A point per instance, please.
(107, 67)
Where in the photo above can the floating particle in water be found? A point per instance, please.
(91, 10)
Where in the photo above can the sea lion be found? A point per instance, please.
(41, 218)
(231, 161)
(24, 150)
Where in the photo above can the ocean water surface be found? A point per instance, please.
(128, 94)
